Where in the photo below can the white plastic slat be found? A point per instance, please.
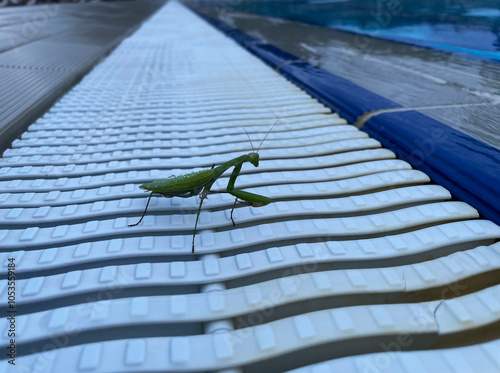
(165, 151)
(14, 187)
(173, 98)
(152, 161)
(183, 273)
(151, 139)
(228, 349)
(373, 201)
(481, 357)
(480, 309)
(340, 227)
(393, 246)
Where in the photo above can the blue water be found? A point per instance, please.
(469, 28)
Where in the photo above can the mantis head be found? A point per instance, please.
(253, 158)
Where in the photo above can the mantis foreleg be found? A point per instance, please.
(249, 199)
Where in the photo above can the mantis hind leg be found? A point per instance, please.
(144, 213)
(203, 196)
(234, 205)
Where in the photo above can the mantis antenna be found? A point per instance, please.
(253, 150)
(268, 132)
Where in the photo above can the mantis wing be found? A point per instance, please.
(187, 184)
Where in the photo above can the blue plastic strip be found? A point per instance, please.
(468, 168)
(345, 98)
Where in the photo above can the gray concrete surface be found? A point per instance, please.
(46, 49)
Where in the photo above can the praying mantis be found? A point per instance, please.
(200, 182)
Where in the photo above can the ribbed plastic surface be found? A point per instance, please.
(45, 49)
(357, 251)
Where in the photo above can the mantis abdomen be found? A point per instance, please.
(181, 183)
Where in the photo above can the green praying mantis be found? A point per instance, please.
(200, 182)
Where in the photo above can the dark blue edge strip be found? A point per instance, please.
(468, 168)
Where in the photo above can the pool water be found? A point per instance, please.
(470, 28)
